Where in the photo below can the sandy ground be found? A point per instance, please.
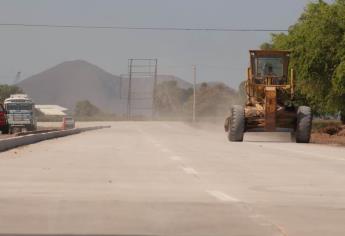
(168, 178)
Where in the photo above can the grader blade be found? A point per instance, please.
(270, 109)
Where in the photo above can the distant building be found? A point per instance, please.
(51, 110)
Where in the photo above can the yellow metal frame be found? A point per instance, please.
(264, 94)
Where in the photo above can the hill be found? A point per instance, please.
(73, 81)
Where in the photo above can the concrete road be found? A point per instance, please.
(151, 178)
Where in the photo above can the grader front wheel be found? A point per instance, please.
(304, 123)
(237, 124)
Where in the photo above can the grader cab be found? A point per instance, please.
(270, 94)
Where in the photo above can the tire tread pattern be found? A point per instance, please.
(237, 124)
(304, 124)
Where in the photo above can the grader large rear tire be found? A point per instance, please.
(304, 123)
(237, 124)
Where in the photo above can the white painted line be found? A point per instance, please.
(157, 144)
(222, 196)
(256, 216)
(189, 171)
(266, 224)
(176, 158)
(165, 150)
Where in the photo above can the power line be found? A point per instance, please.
(142, 28)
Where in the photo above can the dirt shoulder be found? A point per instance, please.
(329, 134)
(327, 139)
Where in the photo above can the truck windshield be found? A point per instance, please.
(269, 67)
(19, 106)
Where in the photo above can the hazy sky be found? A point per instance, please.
(220, 56)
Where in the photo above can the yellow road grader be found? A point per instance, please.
(270, 95)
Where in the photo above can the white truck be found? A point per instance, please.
(20, 113)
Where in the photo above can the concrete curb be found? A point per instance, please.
(14, 142)
(36, 132)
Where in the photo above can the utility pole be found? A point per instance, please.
(154, 100)
(194, 92)
(121, 104)
(17, 78)
(121, 76)
(129, 99)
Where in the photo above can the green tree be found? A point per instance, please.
(86, 108)
(7, 90)
(213, 100)
(317, 41)
(170, 98)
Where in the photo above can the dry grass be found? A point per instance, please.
(322, 138)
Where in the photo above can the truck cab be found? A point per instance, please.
(20, 113)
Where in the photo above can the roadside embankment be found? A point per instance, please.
(13, 142)
(332, 133)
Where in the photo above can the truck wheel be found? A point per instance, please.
(304, 123)
(5, 129)
(30, 128)
(236, 125)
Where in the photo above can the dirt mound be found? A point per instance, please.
(341, 132)
(333, 134)
(333, 130)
